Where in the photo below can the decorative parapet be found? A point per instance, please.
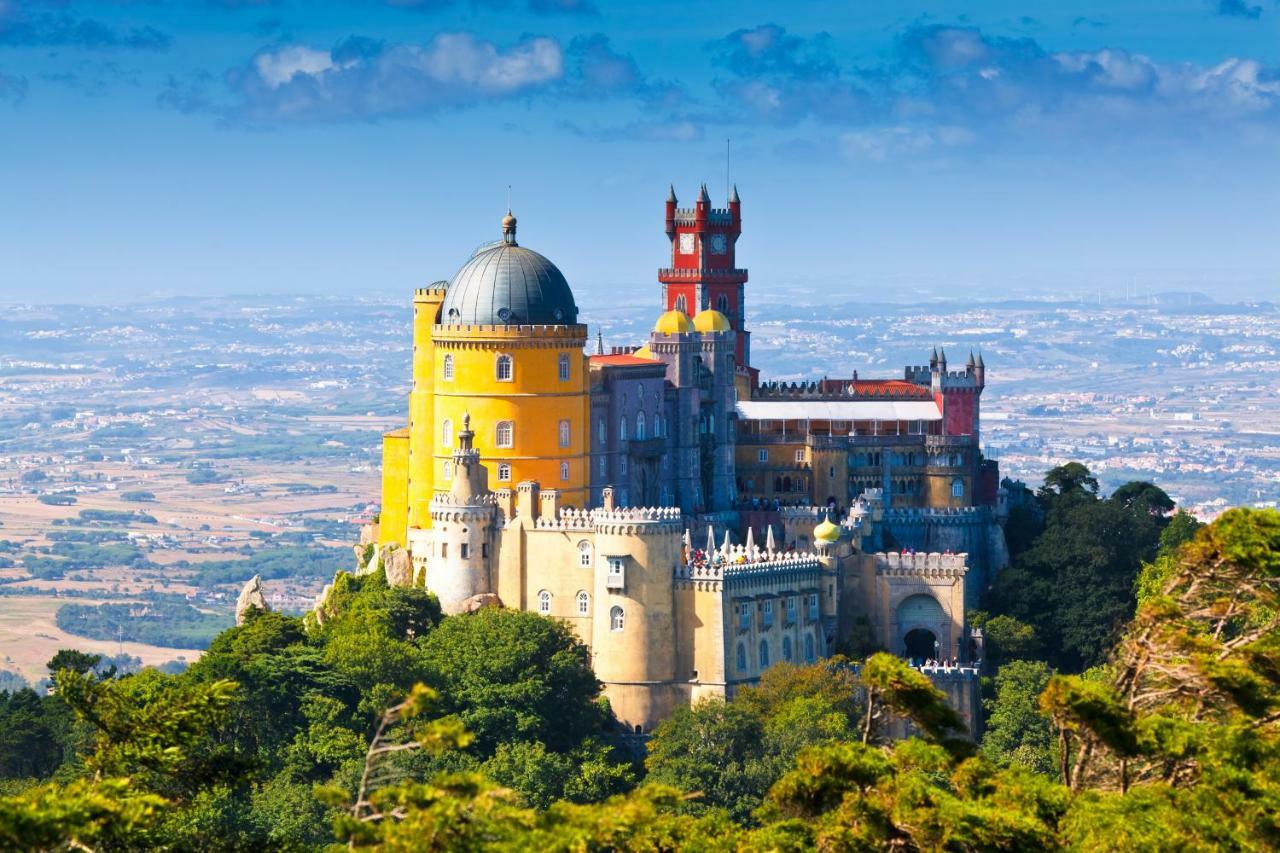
(936, 515)
(921, 565)
(644, 519)
(738, 562)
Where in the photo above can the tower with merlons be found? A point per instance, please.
(703, 273)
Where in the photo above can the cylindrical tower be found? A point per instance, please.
(509, 350)
(634, 624)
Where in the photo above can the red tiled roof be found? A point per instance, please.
(890, 388)
(623, 361)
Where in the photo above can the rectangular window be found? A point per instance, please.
(616, 577)
(464, 550)
(762, 456)
(564, 433)
(484, 549)
(799, 455)
(504, 473)
(564, 368)
(813, 608)
(744, 617)
(768, 614)
(444, 550)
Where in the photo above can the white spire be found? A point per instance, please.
(711, 540)
(768, 541)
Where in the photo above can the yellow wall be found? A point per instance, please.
(535, 400)
(426, 308)
(394, 523)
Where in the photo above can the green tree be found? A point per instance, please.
(510, 675)
(1017, 733)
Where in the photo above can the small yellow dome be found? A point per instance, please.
(673, 323)
(826, 531)
(711, 320)
(643, 352)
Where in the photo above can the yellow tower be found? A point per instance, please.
(503, 345)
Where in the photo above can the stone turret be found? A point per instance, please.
(463, 523)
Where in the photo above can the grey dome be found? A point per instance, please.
(507, 284)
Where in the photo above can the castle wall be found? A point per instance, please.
(426, 309)
(394, 521)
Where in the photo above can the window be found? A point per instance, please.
(762, 456)
(584, 554)
(768, 614)
(786, 648)
(616, 619)
(446, 368)
(503, 368)
(791, 610)
(446, 433)
(444, 550)
(544, 602)
(484, 549)
(657, 426)
(616, 578)
(681, 304)
(464, 550)
(584, 603)
(799, 455)
(622, 464)
(504, 472)
(813, 607)
(744, 617)
(742, 658)
(640, 426)
(622, 428)
(564, 367)
(764, 653)
(957, 488)
(503, 433)
(448, 470)
(602, 432)
(564, 433)
(808, 649)
(722, 304)
(564, 472)
(601, 464)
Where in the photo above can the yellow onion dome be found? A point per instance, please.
(826, 531)
(711, 320)
(643, 352)
(673, 322)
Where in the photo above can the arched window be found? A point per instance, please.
(446, 368)
(503, 368)
(616, 619)
(742, 658)
(640, 426)
(448, 470)
(622, 428)
(564, 471)
(722, 304)
(602, 432)
(564, 433)
(957, 488)
(504, 472)
(786, 649)
(764, 654)
(504, 434)
(446, 433)
(544, 602)
(681, 304)
(657, 425)
(584, 603)
(585, 554)
(564, 367)
(786, 484)
(808, 648)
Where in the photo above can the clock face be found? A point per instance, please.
(719, 244)
(687, 243)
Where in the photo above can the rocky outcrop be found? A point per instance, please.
(475, 602)
(397, 566)
(250, 597)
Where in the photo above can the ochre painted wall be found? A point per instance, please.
(426, 308)
(535, 400)
(394, 523)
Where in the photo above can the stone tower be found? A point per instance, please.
(463, 528)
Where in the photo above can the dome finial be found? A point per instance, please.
(509, 228)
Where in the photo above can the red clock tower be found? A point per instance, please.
(702, 272)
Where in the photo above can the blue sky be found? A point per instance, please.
(881, 149)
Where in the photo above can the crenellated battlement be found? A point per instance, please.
(928, 565)
(831, 389)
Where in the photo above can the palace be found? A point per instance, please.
(691, 522)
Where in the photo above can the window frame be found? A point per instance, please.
(510, 440)
(447, 368)
(501, 360)
(544, 602)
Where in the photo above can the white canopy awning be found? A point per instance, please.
(838, 410)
